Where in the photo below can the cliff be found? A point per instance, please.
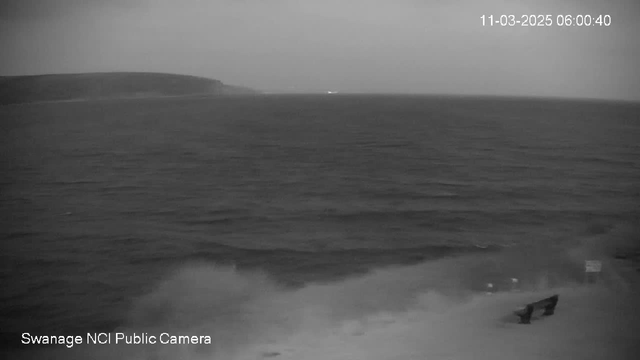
(89, 86)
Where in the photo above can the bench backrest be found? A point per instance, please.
(552, 300)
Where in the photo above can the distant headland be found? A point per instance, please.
(109, 85)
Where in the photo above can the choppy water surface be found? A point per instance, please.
(108, 205)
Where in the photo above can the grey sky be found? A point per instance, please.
(410, 46)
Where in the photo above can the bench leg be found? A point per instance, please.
(526, 317)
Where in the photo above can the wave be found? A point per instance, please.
(395, 310)
(452, 217)
(297, 267)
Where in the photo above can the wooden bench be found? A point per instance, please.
(548, 304)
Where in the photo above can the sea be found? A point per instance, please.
(256, 219)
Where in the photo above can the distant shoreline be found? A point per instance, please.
(454, 96)
(86, 100)
(109, 86)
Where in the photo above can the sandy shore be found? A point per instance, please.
(592, 321)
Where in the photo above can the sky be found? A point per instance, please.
(363, 46)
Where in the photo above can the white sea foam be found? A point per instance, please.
(425, 311)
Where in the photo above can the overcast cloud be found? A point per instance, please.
(406, 46)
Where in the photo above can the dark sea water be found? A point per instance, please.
(152, 213)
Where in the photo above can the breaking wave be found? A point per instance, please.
(250, 315)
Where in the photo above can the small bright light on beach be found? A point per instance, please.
(490, 289)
